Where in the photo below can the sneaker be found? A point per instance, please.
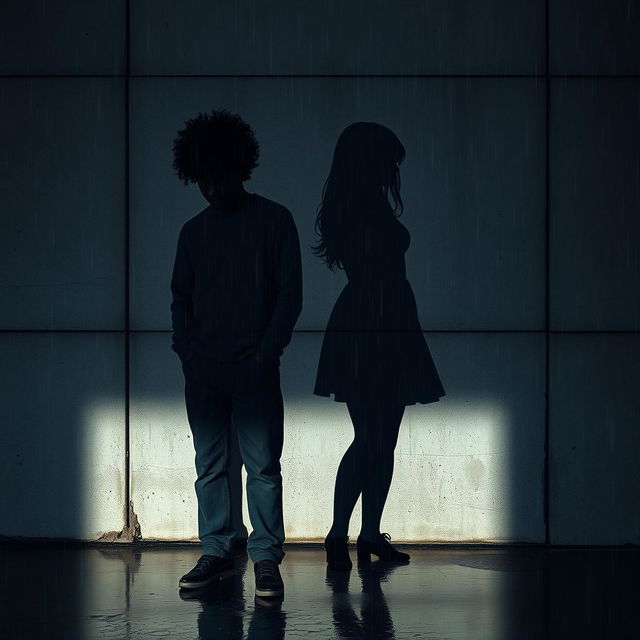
(268, 580)
(208, 569)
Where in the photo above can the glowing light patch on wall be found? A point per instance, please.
(451, 477)
(102, 465)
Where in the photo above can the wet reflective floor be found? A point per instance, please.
(111, 591)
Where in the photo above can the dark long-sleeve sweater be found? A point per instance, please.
(237, 282)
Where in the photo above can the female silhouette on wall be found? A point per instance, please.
(374, 356)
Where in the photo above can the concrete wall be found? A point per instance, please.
(521, 190)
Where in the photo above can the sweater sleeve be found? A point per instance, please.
(182, 284)
(287, 270)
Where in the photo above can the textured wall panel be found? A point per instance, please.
(472, 185)
(62, 448)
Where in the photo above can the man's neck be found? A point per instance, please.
(232, 202)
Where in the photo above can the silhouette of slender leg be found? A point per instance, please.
(377, 425)
(347, 489)
(366, 466)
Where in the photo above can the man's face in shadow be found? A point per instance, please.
(222, 190)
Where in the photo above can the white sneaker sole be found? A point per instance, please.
(269, 593)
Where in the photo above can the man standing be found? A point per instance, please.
(237, 294)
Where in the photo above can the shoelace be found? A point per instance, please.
(204, 563)
(267, 568)
(386, 536)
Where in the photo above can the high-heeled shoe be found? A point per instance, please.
(337, 548)
(381, 548)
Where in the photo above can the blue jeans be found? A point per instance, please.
(247, 392)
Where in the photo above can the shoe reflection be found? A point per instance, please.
(224, 609)
(375, 618)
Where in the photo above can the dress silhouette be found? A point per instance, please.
(374, 356)
(373, 342)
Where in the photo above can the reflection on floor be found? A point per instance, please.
(74, 591)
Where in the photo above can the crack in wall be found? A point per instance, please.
(132, 533)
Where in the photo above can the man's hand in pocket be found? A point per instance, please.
(188, 356)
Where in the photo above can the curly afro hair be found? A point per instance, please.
(210, 144)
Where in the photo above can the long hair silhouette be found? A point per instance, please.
(362, 145)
